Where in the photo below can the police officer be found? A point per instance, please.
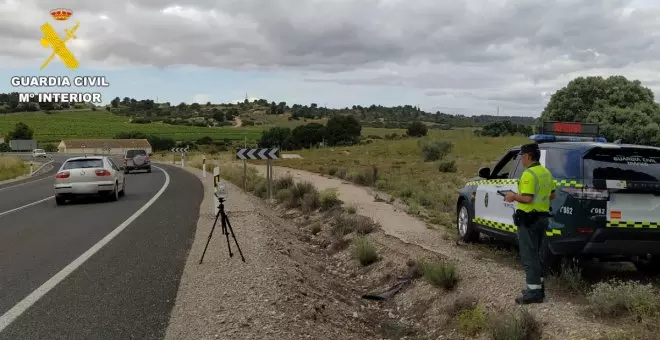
(536, 188)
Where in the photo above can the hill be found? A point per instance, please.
(261, 112)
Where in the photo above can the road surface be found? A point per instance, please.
(64, 276)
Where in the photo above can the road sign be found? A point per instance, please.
(267, 153)
(181, 150)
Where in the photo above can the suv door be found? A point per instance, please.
(490, 209)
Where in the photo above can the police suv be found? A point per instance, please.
(607, 205)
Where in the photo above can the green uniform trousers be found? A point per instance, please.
(530, 237)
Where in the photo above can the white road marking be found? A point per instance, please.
(20, 308)
(25, 206)
(28, 182)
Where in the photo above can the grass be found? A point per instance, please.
(364, 251)
(12, 167)
(472, 320)
(441, 274)
(615, 298)
(398, 167)
(518, 324)
(102, 124)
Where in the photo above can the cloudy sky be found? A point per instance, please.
(466, 57)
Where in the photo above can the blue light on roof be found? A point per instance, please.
(553, 138)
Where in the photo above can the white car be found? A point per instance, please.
(36, 153)
(88, 176)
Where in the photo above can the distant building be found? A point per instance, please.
(102, 146)
(22, 144)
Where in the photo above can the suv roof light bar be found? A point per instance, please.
(543, 138)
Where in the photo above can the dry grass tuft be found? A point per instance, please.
(12, 167)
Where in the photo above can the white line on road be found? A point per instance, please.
(25, 206)
(29, 182)
(20, 308)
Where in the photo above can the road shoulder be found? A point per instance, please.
(224, 298)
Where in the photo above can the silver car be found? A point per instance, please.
(87, 176)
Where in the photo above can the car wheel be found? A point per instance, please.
(466, 230)
(59, 200)
(149, 169)
(114, 196)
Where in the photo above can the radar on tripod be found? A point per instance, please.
(220, 191)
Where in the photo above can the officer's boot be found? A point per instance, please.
(535, 295)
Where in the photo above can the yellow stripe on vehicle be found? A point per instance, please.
(495, 225)
(559, 183)
(510, 227)
(633, 224)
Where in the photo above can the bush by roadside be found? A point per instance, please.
(12, 167)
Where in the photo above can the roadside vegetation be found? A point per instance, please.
(12, 167)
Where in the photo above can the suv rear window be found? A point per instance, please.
(83, 164)
(629, 164)
(133, 153)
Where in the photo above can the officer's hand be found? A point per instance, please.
(510, 197)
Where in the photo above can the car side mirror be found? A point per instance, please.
(484, 172)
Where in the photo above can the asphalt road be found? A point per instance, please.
(123, 288)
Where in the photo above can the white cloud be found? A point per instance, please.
(483, 53)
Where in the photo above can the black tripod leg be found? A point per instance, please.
(226, 219)
(210, 235)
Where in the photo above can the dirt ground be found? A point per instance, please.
(494, 284)
(298, 284)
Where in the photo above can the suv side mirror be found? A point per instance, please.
(484, 172)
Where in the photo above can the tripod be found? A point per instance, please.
(226, 229)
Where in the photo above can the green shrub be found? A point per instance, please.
(449, 166)
(364, 251)
(616, 298)
(345, 224)
(472, 321)
(285, 182)
(436, 150)
(329, 199)
(516, 325)
(442, 274)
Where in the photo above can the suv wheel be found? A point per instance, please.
(649, 267)
(464, 224)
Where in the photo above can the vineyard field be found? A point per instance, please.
(52, 128)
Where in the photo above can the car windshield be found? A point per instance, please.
(39, 150)
(627, 164)
(133, 153)
(83, 163)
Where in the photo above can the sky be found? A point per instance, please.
(460, 57)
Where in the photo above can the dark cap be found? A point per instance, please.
(529, 148)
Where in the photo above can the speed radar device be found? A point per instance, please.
(221, 195)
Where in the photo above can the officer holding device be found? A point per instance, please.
(536, 188)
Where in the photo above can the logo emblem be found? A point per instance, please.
(52, 40)
(486, 200)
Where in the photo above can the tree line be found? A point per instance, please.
(339, 130)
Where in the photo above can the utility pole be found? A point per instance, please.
(498, 110)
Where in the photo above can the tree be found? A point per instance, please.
(274, 137)
(305, 136)
(21, 131)
(343, 130)
(417, 129)
(623, 109)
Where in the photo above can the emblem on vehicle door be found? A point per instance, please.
(486, 200)
(82, 172)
